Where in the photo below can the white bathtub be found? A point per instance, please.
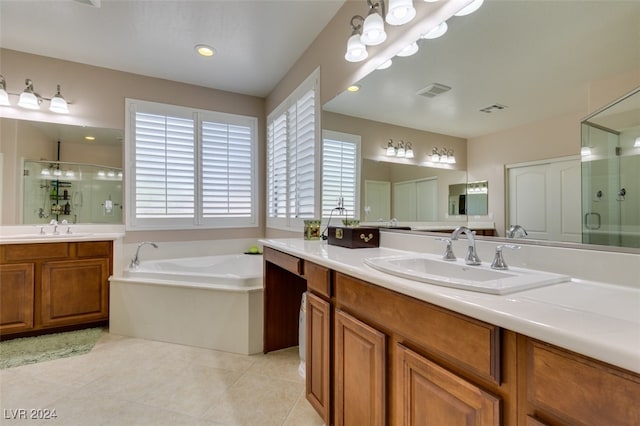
(214, 302)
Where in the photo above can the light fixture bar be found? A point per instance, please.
(30, 99)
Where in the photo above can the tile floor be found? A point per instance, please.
(128, 381)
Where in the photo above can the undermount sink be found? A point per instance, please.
(457, 274)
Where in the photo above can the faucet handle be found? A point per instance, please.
(448, 251)
(498, 260)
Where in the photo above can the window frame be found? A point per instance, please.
(357, 141)
(289, 222)
(133, 223)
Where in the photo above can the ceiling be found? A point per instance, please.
(535, 57)
(257, 41)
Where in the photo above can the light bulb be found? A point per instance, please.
(436, 32)
(400, 12)
(373, 30)
(386, 64)
(411, 49)
(470, 8)
(28, 100)
(356, 50)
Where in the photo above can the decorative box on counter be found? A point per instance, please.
(354, 237)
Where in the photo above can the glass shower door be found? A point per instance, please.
(600, 185)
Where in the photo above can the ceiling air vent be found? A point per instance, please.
(433, 90)
(495, 107)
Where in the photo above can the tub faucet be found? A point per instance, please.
(135, 261)
(516, 231)
(472, 257)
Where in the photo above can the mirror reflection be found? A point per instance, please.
(610, 174)
(84, 161)
(408, 193)
(516, 93)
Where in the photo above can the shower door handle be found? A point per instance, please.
(587, 223)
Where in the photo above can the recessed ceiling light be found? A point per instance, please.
(205, 50)
(90, 138)
(353, 88)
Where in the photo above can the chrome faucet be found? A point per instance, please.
(498, 260)
(516, 231)
(135, 261)
(472, 256)
(55, 226)
(448, 252)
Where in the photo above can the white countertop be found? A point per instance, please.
(29, 234)
(595, 319)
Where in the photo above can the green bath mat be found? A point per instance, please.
(29, 350)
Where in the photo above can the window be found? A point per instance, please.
(340, 172)
(189, 168)
(292, 154)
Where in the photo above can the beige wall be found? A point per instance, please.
(97, 97)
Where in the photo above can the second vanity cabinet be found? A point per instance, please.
(378, 357)
(54, 285)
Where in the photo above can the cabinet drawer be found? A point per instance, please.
(577, 389)
(93, 249)
(318, 279)
(17, 252)
(283, 260)
(467, 342)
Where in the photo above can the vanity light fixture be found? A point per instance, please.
(356, 49)
(30, 99)
(58, 104)
(391, 150)
(470, 8)
(386, 64)
(400, 12)
(4, 96)
(409, 50)
(585, 151)
(401, 151)
(443, 156)
(436, 32)
(373, 32)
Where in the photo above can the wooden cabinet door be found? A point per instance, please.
(74, 291)
(318, 373)
(360, 356)
(426, 394)
(16, 297)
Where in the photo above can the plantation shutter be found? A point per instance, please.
(277, 167)
(340, 161)
(292, 131)
(301, 157)
(164, 166)
(227, 161)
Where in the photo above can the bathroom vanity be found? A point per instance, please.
(385, 350)
(54, 285)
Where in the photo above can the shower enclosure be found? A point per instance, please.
(75, 192)
(611, 174)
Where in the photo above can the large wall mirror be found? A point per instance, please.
(501, 69)
(61, 172)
